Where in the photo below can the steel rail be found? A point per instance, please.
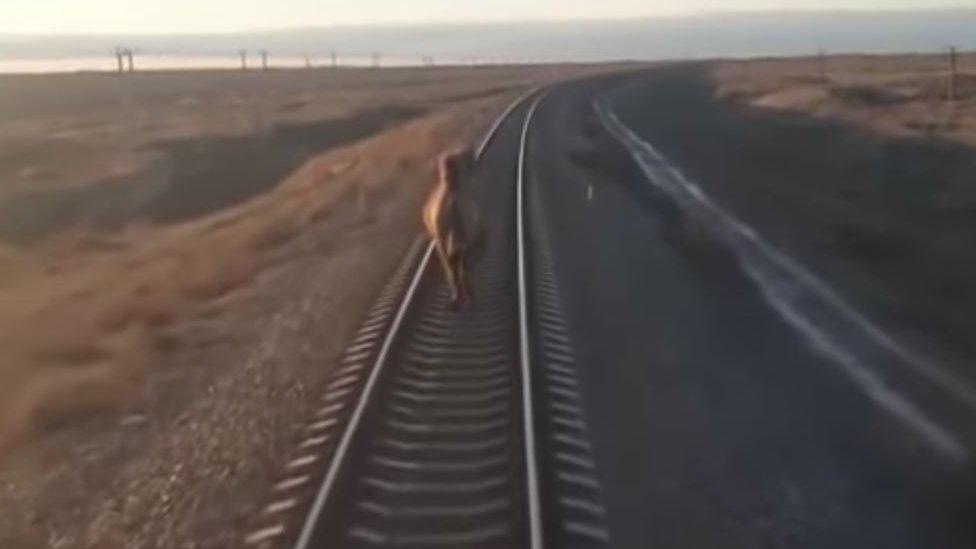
(531, 459)
(325, 492)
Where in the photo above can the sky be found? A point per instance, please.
(205, 16)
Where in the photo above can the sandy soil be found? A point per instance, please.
(896, 96)
(156, 368)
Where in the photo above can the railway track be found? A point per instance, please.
(445, 428)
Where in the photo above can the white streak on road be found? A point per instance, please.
(807, 303)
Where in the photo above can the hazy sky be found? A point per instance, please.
(165, 16)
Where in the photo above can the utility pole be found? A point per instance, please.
(953, 61)
(120, 63)
(264, 60)
(376, 60)
(308, 62)
(132, 63)
(243, 54)
(335, 60)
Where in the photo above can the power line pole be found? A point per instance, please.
(376, 60)
(308, 62)
(264, 60)
(132, 63)
(120, 63)
(335, 60)
(243, 54)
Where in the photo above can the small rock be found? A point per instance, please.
(133, 420)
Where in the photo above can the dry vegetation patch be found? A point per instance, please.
(82, 312)
(158, 367)
(898, 95)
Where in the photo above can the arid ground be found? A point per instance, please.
(182, 257)
(858, 166)
(771, 308)
(894, 96)
(880, 192)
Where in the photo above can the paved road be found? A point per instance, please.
(715, 421)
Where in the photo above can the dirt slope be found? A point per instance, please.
(154, 375)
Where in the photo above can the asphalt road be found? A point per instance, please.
(716, 420)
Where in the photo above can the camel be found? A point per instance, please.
(445, 223)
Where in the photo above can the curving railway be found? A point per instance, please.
(447, 428)
(731, 398)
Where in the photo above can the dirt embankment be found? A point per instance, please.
(103, 151)
(188, 178)
(206, 341)
(884, 217)
(117, 216)
(155, 371)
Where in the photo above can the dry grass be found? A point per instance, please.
(896, 95)
(204, 340)
(84, 310)
(81, 313)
